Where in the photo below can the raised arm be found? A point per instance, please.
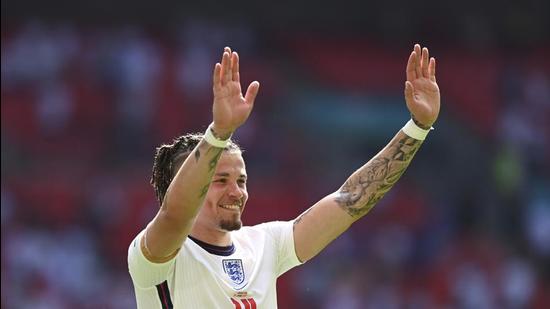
(327, 219)
(185, 195)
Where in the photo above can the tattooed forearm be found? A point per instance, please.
(215, 154)
(370, 183)
(204, 190)
(214, 161)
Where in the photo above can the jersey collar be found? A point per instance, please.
(212, 249)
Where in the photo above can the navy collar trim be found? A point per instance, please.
(217, 250)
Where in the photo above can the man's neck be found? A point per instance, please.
(211, 236)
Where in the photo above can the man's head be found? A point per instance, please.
(227, 195)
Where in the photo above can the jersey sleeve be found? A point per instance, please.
(145, 273)
(282, 234)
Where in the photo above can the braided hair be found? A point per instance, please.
(169, 158)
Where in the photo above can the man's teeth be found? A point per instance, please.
(234, 206)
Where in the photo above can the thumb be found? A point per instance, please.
(251, 92)
(409, 90)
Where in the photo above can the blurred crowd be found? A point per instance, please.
(83, 108)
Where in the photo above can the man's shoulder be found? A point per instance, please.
(256, 231)
(250, 230)
(271, 228)
(262, 226)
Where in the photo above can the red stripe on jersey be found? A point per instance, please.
(252, 302)
(246, 303)
(236, 303)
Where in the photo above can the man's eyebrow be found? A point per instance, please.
(224, 174)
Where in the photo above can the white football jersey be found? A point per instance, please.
(241, 276)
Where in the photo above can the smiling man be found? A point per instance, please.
(195, 253)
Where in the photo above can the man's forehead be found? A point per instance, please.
(231, 163)
(231, 157)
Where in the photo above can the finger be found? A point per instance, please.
(411, 72)
(226, 69)
(432, 69)
(252, 92)
(227, 50)
(409, 93)
(235, 68)
(417, 61)
(216, 75)
(424, 64)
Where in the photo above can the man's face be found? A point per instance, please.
(227, 195)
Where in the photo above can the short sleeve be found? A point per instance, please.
(282, 234)
(145, 273)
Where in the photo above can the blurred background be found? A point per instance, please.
(90, 89)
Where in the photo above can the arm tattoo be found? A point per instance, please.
(197, 155)
(300, 217)
(214, 161)
(204, 190)
(371, 182)
(211, 166)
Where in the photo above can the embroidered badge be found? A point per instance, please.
(234, 269)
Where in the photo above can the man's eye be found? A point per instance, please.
(221, 180)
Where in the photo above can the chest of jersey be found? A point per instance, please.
(244, 279)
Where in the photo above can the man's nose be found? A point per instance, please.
(235, 191)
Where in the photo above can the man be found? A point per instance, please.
(194, 253)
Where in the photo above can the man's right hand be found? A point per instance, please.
(230, 108)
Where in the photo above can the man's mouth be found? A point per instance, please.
(236, 206)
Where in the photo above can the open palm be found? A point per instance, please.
(231, 108)
(421, 90)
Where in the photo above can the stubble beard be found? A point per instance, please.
(232, 224)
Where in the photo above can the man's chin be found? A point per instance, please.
(230, 225)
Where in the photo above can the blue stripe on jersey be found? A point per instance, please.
(217, 250)
(164, 295)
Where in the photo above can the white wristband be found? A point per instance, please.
(212, 140)
(414, 131)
